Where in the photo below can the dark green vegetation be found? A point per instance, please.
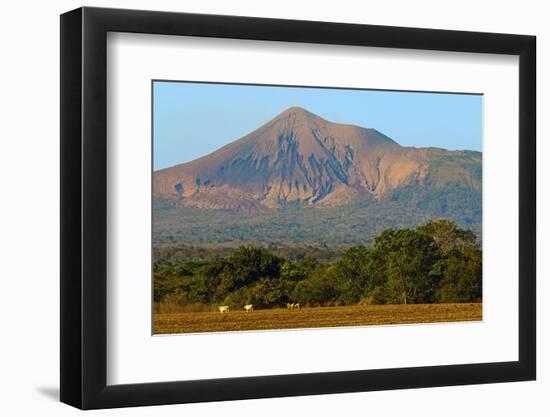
(437, 262)
(355, 224)
(174, 254)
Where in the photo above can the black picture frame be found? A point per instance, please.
(84, 207)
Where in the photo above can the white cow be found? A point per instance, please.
(291, 306)
(249, 307)
(223, 309)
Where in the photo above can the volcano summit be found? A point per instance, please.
(301, 159)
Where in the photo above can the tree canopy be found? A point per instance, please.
(436, 262)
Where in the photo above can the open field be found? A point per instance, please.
(315, 317)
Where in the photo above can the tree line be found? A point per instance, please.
(437, 262)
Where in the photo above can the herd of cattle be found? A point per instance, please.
(250, 307)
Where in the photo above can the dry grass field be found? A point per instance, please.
(166, 323)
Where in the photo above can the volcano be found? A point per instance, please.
(301, 159)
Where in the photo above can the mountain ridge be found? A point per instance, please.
(299, 158)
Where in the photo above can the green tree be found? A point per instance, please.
(461, 276)
(298, 270)
(350, 274)
(409, 259)
(447, 235)
(317, 290)
(265, 293)
(436, 262)
(249, 264)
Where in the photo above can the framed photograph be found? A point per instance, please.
(256, 208)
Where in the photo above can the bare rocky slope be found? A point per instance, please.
(298, 158)
(300, 179)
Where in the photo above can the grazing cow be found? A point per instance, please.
(223, 309)
(297, 305)
(291, 306)
(248, 308)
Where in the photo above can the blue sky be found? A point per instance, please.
(194, 119)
